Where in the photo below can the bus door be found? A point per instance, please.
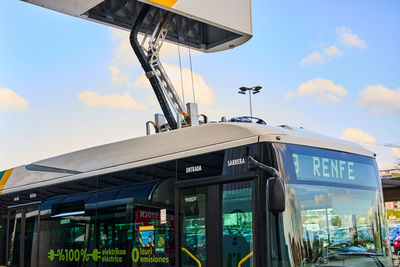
(216, 225)
(22, 238)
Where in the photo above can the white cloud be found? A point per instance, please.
(349, 39)
(11, 101)
(152, 100)
(117, 34)
(142, 82)
(323, 91)
(125, 101)
(332, 51)
(204, 94)
(290, 94)
(319, 57)
(118, 76)
(396, 152)
(358, 136)
(123, 52)
(325, 54)
(380, 99)
(313, 58)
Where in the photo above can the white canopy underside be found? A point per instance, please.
(205, 25)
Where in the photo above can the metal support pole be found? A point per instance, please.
(251, 90)
(251, 111)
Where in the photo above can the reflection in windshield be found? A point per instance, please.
(336, 222)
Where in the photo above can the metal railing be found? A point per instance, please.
(191, 255)
(245, 259)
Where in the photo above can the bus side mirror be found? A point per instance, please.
(276, 194)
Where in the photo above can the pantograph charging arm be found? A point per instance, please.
(144, 61)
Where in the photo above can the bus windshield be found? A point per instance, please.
(334, 210)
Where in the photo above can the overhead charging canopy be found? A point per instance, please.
(205, 25)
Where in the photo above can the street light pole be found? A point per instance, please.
(252, 90)
(251, 111)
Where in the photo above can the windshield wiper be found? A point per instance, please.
(368, 254)
(359, 253)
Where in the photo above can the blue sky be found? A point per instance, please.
(329, 66)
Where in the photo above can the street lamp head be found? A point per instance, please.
(243, 88)
(256, 89)
(242, 92)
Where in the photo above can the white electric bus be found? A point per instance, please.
(218, 194)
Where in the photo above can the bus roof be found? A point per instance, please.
(160, 147)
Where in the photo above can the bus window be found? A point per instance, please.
(164, 192)
(31, 237)
(237, 223)
(14, 239)
(22, 238)
(130, 231)
(67, 232)
(193, 227)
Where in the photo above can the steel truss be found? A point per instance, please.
(150, 61)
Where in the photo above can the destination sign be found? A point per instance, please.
(333, 170)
